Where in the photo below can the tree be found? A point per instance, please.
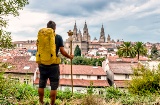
(154, 52)
(148, 80)
(8, 8)
(77, 51)
(140, 49)
(126, 50)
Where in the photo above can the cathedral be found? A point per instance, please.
(84, 40)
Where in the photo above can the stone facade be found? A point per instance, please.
(84, 41)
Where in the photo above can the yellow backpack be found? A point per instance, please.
(46, 47)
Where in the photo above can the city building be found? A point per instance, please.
(83, 40)
(83, 77)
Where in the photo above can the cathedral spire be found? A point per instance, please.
(75, 26)
(102, 29)
(85, 25)
(102, 35)
(85, 32)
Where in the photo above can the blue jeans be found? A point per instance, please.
(50, 72)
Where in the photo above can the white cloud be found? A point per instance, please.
(133, 29)
(30, 21)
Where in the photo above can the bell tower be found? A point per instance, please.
(102, 35)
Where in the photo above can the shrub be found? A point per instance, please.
(12, 92)
(66, 94)
(148, 81)
(113, 93)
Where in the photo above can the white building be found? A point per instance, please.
(83, 77)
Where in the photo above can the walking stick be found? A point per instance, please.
(70, 33)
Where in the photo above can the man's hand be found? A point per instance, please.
(71, 57)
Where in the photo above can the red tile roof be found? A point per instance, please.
(79, 82)
(19, 62)
(121, 68)
(82, 69)
(117, 59)
(121, 83)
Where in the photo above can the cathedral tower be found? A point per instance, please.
(85, 33)
(79, 35)
(108, 39)
(102, 35)
(75, 33)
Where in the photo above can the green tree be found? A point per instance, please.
(140, 49)
(77, 60)
(8, 8)
(148, 80)
(126, 50)
(97, 54)
(87, 61)
(77, 51)
(154, 51)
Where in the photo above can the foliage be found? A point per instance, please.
(154, 52)
(14, 93)
(77, 51)
(97, 54)
(90, 89)
(126, 50)
(5, 40)
(8, 8)
(4, 65)
(93, 100)
(87, 61)
(140, 49)
(66, 94)
(63, 59)
(148, 81)
(113, 93)
(129, 50)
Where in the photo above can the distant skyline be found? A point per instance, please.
(130, 20)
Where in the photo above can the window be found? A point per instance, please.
(26, 81)
(100, 92)
(78, 91)
(77, 76)
(88, 76)
(126, 76)
(98, 77)
(66, 76)
(15, 79)
(62, 76)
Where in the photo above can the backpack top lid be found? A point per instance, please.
(46, 31)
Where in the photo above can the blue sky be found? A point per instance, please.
(128, 20)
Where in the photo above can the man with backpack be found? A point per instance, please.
(48, 46)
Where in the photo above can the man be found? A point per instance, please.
(51, 71)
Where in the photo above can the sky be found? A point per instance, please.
(127, 20)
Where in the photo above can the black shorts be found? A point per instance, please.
(50, 72)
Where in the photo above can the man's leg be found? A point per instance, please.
(53, 95)
(54, 82)
(41, 94)
(42, 82)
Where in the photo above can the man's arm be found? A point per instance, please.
(64, 53)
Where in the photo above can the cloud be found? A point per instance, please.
(120, 18)
(70, 7)
(133, 30)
